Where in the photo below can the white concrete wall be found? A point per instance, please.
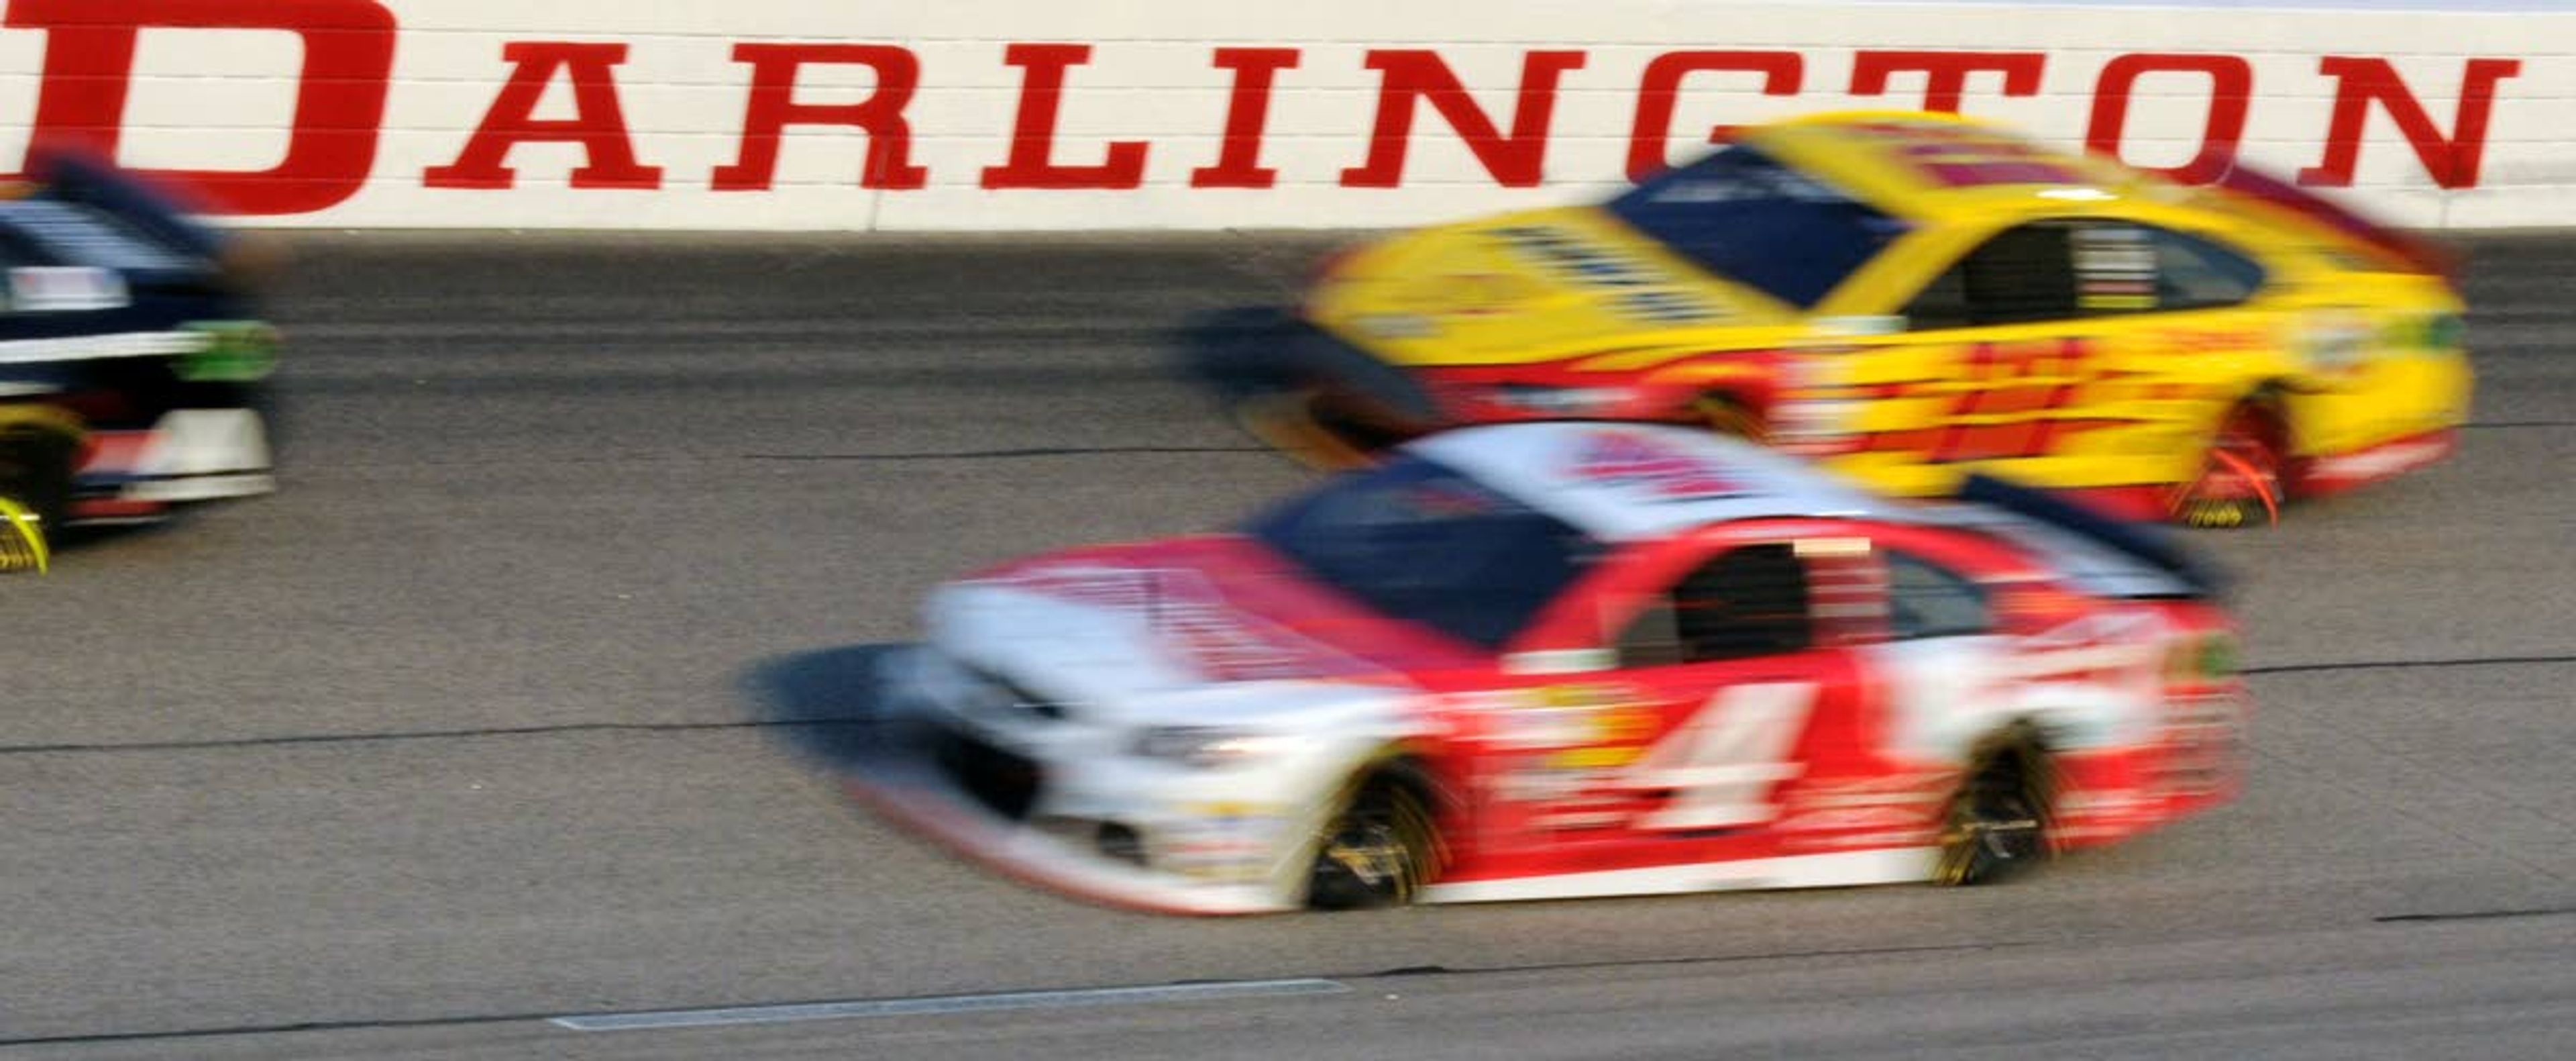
(220, 105)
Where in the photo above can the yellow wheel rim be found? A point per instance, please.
(22, 539)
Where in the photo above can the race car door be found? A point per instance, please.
(1732, 687)
(2068, 352)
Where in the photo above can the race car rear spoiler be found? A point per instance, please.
(2414, 253)
(2154, 546)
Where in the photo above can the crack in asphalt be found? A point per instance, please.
(1646, 963)
(2477, 661)
(469, 733)
(481, 1019)
(2476, 915)
(483, 732)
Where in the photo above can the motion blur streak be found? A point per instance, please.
(499, 532)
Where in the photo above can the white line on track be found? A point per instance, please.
(906, 1007)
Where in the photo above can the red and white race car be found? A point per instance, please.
(1564, 659)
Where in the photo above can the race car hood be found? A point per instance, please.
(1117, 624)
(1527, 287)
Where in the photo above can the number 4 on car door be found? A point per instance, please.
(1742, 675)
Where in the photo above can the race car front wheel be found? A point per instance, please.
(1378, 851)
(2239, 480)
(1997, 822)
(1728, 415)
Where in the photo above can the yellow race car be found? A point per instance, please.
(1907, 298)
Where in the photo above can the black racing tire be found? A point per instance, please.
(36, 472)
(1996, 825)
(1379, 850)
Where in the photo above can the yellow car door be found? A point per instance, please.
(2073, 353)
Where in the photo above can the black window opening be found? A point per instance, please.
(2020, 276)
(1417, 541)
(2067, 270)
(1927, 600)
(1749, 218)
(1752, 601)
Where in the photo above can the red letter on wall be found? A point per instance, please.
(2231, 84)
(1946, 73)
(773, 108)
(1661, 86)
(597, 124)
(1516, 161)
(1032, 162)
(339, 94)
(2452, 162)
(1247, 112)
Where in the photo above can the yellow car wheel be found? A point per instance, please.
(22, 540)
(2239, 480)
(1290, 421)
(1728, 415)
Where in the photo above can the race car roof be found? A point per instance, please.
(1928, 164)
(1624, 482)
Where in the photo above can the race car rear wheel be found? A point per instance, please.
(1378, 851)
(2239, 483)
(1997, 822)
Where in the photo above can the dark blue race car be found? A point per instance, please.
(131, 356)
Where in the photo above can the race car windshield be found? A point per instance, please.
(1745, 216)
(1419, 542)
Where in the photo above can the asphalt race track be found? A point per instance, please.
(502, 711)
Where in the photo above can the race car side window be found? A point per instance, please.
(2066, 269)
(2021, 275)
(1749, 601)
(2195, 273)
(1927, 600)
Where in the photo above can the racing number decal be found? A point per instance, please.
(2010, 400)
(1722, 765)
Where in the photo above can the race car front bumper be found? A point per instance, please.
(187, 455)
(1258, 349)
(1166, 842)
(1304, 390)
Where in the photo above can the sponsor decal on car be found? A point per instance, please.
(1186, 609)
(1645, 291)
(1655, 471)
